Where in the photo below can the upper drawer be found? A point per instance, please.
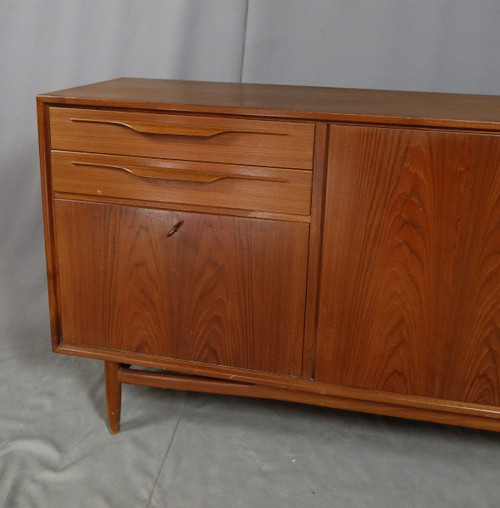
(192, 138)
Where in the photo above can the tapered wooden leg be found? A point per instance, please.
(113, 395)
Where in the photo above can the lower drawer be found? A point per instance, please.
(221, 185)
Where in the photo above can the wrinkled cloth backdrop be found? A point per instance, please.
(193, 450)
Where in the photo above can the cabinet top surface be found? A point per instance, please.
(285, 101)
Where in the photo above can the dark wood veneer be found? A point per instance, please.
(411, 292)
(212, 292)
(250, 142)
(172, 181)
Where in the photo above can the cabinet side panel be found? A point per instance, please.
(221, 290)
(47, 203)
(410, 283)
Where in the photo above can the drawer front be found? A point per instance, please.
(208, 139)
(225, 291)
(220, 185)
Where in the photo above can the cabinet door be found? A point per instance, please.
(410, 280)
(222, 290)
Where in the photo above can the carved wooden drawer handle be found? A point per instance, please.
(198, 131)
(177, 174)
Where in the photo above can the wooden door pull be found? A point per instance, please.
(198, 131)
(177, 174)
(174, 229)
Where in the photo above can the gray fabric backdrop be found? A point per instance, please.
(189, 450)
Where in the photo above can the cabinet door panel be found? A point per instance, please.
(410, 281)
(221, 290)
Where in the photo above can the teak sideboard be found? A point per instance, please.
(326, 246)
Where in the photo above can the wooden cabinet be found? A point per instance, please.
(327, 246)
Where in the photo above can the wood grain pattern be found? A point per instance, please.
(183, 207)
(289, 102)
(410, 283)
(212, 292)
(195, 183)
(249, 142)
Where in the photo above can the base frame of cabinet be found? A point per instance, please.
(195, 377)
